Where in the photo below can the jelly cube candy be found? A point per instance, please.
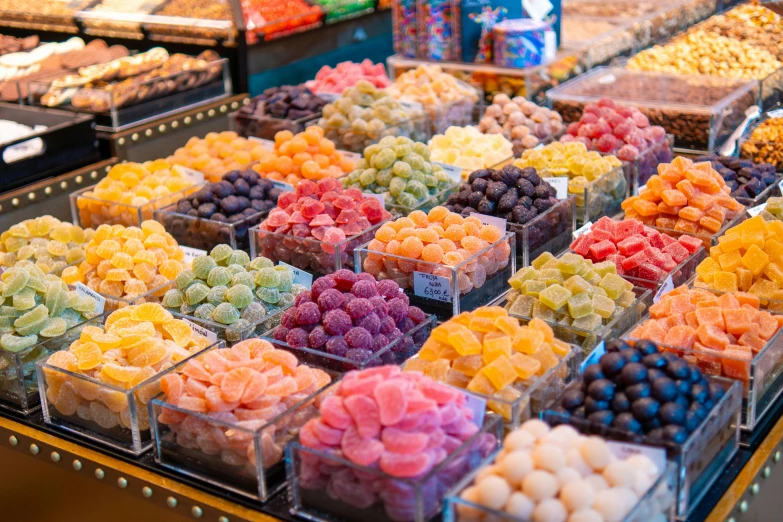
(556, 296)
(541, 260)
(755, 259)
(724, 281)
(542, 311)
(463, 340)
(603, 306)
(521, 276)
(613, 284)
(470, 365)
(580, 305)
(546, 357)
(495, 345)
(523, 306)
(533, 288)
(602, 249)
(576, 285)
(551, 276)
(500, 372)
(589, 322)
(570, 263)
(605, 267)
(528, 340)
(481, 384)
(525, 366)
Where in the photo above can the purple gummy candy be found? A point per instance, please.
(330, 299)
(303, 298)
(381, 308)
(407, 324)
(364, 289)
(371, 323)
(289, 318)
(415, 313)
(388, 288)
(358, 355)
(379, 342)
(344, 279)
(297, 338)
(358, 338)
(280, 333)
(358, 308)
(394, 335)
(364, 276)
(320, 285)
(337, 322)
(398, 310)
(308, 313)
(317, 337)
(387, 325)
(336, 346)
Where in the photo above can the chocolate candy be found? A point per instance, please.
(745, 178)
(277, 109)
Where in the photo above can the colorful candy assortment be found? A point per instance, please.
(636, 250)
(441, 238)
(469, 149)
(217, 153)
(721, 333)
(354, 317)
(745, 178)
(521, 121)
(279, 18)
(46, 242)
(257, 384)
(489, 353)
(347, 74)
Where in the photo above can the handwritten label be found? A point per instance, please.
(285, 187)
(300, 276)
(491, 220)
(478, 406)
(596, 354)
(624, 450)
(195, 175)
(537, 9)
(431, 287)
(353, 156)
(379, 197)
(560, 184)
(267, 144)
(200, 330)
(192, 253)
(666, 287)
(755, 211)
(85, 290)
(454, 172)
(609, 78)
(584, 229)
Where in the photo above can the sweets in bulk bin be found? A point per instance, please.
(548, 474)
(636, 250)
(352, 316)
(469, 149)
(152, 185)
(753, 24)
(307, 155)
(363, 114)
(134, 345)
(257, 383)
(521, 121)
(440, 238)
(489, 353)
(762, 143)
(400, 169)
(686, 197)
(340, 9)
(747, 258)
(729, 325)
(276, 109)
(744, 178)
(123, 263)
(773, 209)
(640, 390)
(12, 44)
(324, 223)
(403, 424)
(347, 74)
(217, 153)
(38, 305)
(570, 291)
(46, 242)
(278, 18)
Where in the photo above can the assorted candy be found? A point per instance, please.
(636, 250)
(569, 290)
(745, 178)
(307, 155)
(400, 170)
(521, 121)
(347, 74)
(441, 238)
(276, 19)
(247, 386)
(321, 212)
(687, 197)
(135, 344)
(354, 317)
(721, 333)
(46, 242)
(489, 353)
(126, 262)
(130, 190)
(548, 474)
(773, 209)
(288, 102)
(469, 149)
(217, 153)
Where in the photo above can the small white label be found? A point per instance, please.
(192, 253)
(195, 175)
(609, 78)
(777, 113)
(431, 287)
(755, 211)
(200, 330)
(328, 96)
(379, 197)
(353, 156)
(453, 171)
(285, 187)
(537, 9)
(267, 144)
(560, 184)
(666, 287)
(85, 290)
(780, 183)
(584, 229)
(478, 406)
(595, 355)
(491, 220)
(624, 450)
(300, 276)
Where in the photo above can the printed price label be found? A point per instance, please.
(379, 197)
(85, 290)
(200, 330)
(584, 229)
(596, 354)
(755, 211)
(300, 276)
(560, 184)
(267, 144)
(353, 156)
(431, 287)
(666, 287)
(491, 220)
(195, 175)
(609, 78)
(454, 172)
(192, 253)
(624, 450)
(285, 187)
(478, 406)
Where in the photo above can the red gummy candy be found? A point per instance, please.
(304, 188)
(347, 216)
(345, 203)
(602, 249)
(285, 199)
(311, 208)
(322, 220)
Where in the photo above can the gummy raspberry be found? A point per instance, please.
(624, 129)
(359, 307)
(358, 356)
(404, 298)
(388, 288)
(415, 313)
(406, 325)
(364, 276)
(337, 322)
(308, 313)
(640, 120)
(337, 346)
(588, 118)
(370, 322)
(387, 325)
(317, 337)
(321, 284)
(280, 333)
(398, 310)
(297, 338)
(289, 318)
(380, 306)
(330, 299)
(358, 338)
(364, 289)
(394, 335)
(379, 342)
(343, 279)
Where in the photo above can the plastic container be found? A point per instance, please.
(154, 295)
(349, 139)
(124, 419)
(265, 127)
(772, 191)
(551, 231)
(396, 352)
(761, 151)
(436, 288)
(700, 111)
(313, 492)
(18, 385)
(231, 334)
(646, 165)
(600, 197)
(307, 253)
(599, 39)
(205, 234)
(700, 461)
(427, 204)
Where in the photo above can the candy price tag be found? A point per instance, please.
(560, 184)
(192, 253)
(584, 229)
(755, 211)
(596, 354)
(478, 406)
(624, 450)
(85, 290)
(431, 287)
(379, 197)
(666, 287)
(300, 276)
(267, 144)
(200, 330)
(454, 172)
(780, 185)
(353, 156)
(195, 175)
(491, 220)
(609, 78)
(285, 187)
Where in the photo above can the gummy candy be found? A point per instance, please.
(469, 149)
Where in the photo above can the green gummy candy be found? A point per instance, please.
(589, 322)
(543, 312)
(521, 276)
(57, 297)
(72, 317)
(85, 304)
(24, 299)
(220, 253)
(13, 343)
(577, 285)
(605, 267)
(196, 293)
(238, 257)
(224, 313)
(36, 315)
(217, 294)
(268, 295)
(603, 306)
(522, 306)
(204, 311)
(244, 278)
(570, 263)
(554, 296)
(184, 279)
(54, 326)
(239, 296)
(580, 305)
(173, 298)
(775, 206)
(15, 280)
(540, 260)
(613, 284)
(260, 262)
(202, 265)
(218, 276)
(533, 288)
(268, 277)
(235, 269)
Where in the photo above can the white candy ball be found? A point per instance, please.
(469, 495)
(586, 515)
(643, 463)
(577, 495)
(520, 506)
(574, 460)
(515, 466)
(550, 510)
(619, 473)
(493, 492)
(519, 439)
(536, 427)
(596, 453)
(549, 457)
(611, 504)
(566, 475)
(540, 485)
(598, 482)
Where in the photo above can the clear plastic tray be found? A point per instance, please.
(700, 111)
(315, 477)
(265, 127)
(151, 296)
(551, 231)
(307, 253)
(396, 352)
(761, 151)
(426, 279)
(98, 411)
(646, 165)
(426, 205)
(353, 140)
(231, 334)
(701, 460)
(599, 39)
(600, 197)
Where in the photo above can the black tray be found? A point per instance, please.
(69, 142)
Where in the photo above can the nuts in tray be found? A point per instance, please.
(765, 143)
